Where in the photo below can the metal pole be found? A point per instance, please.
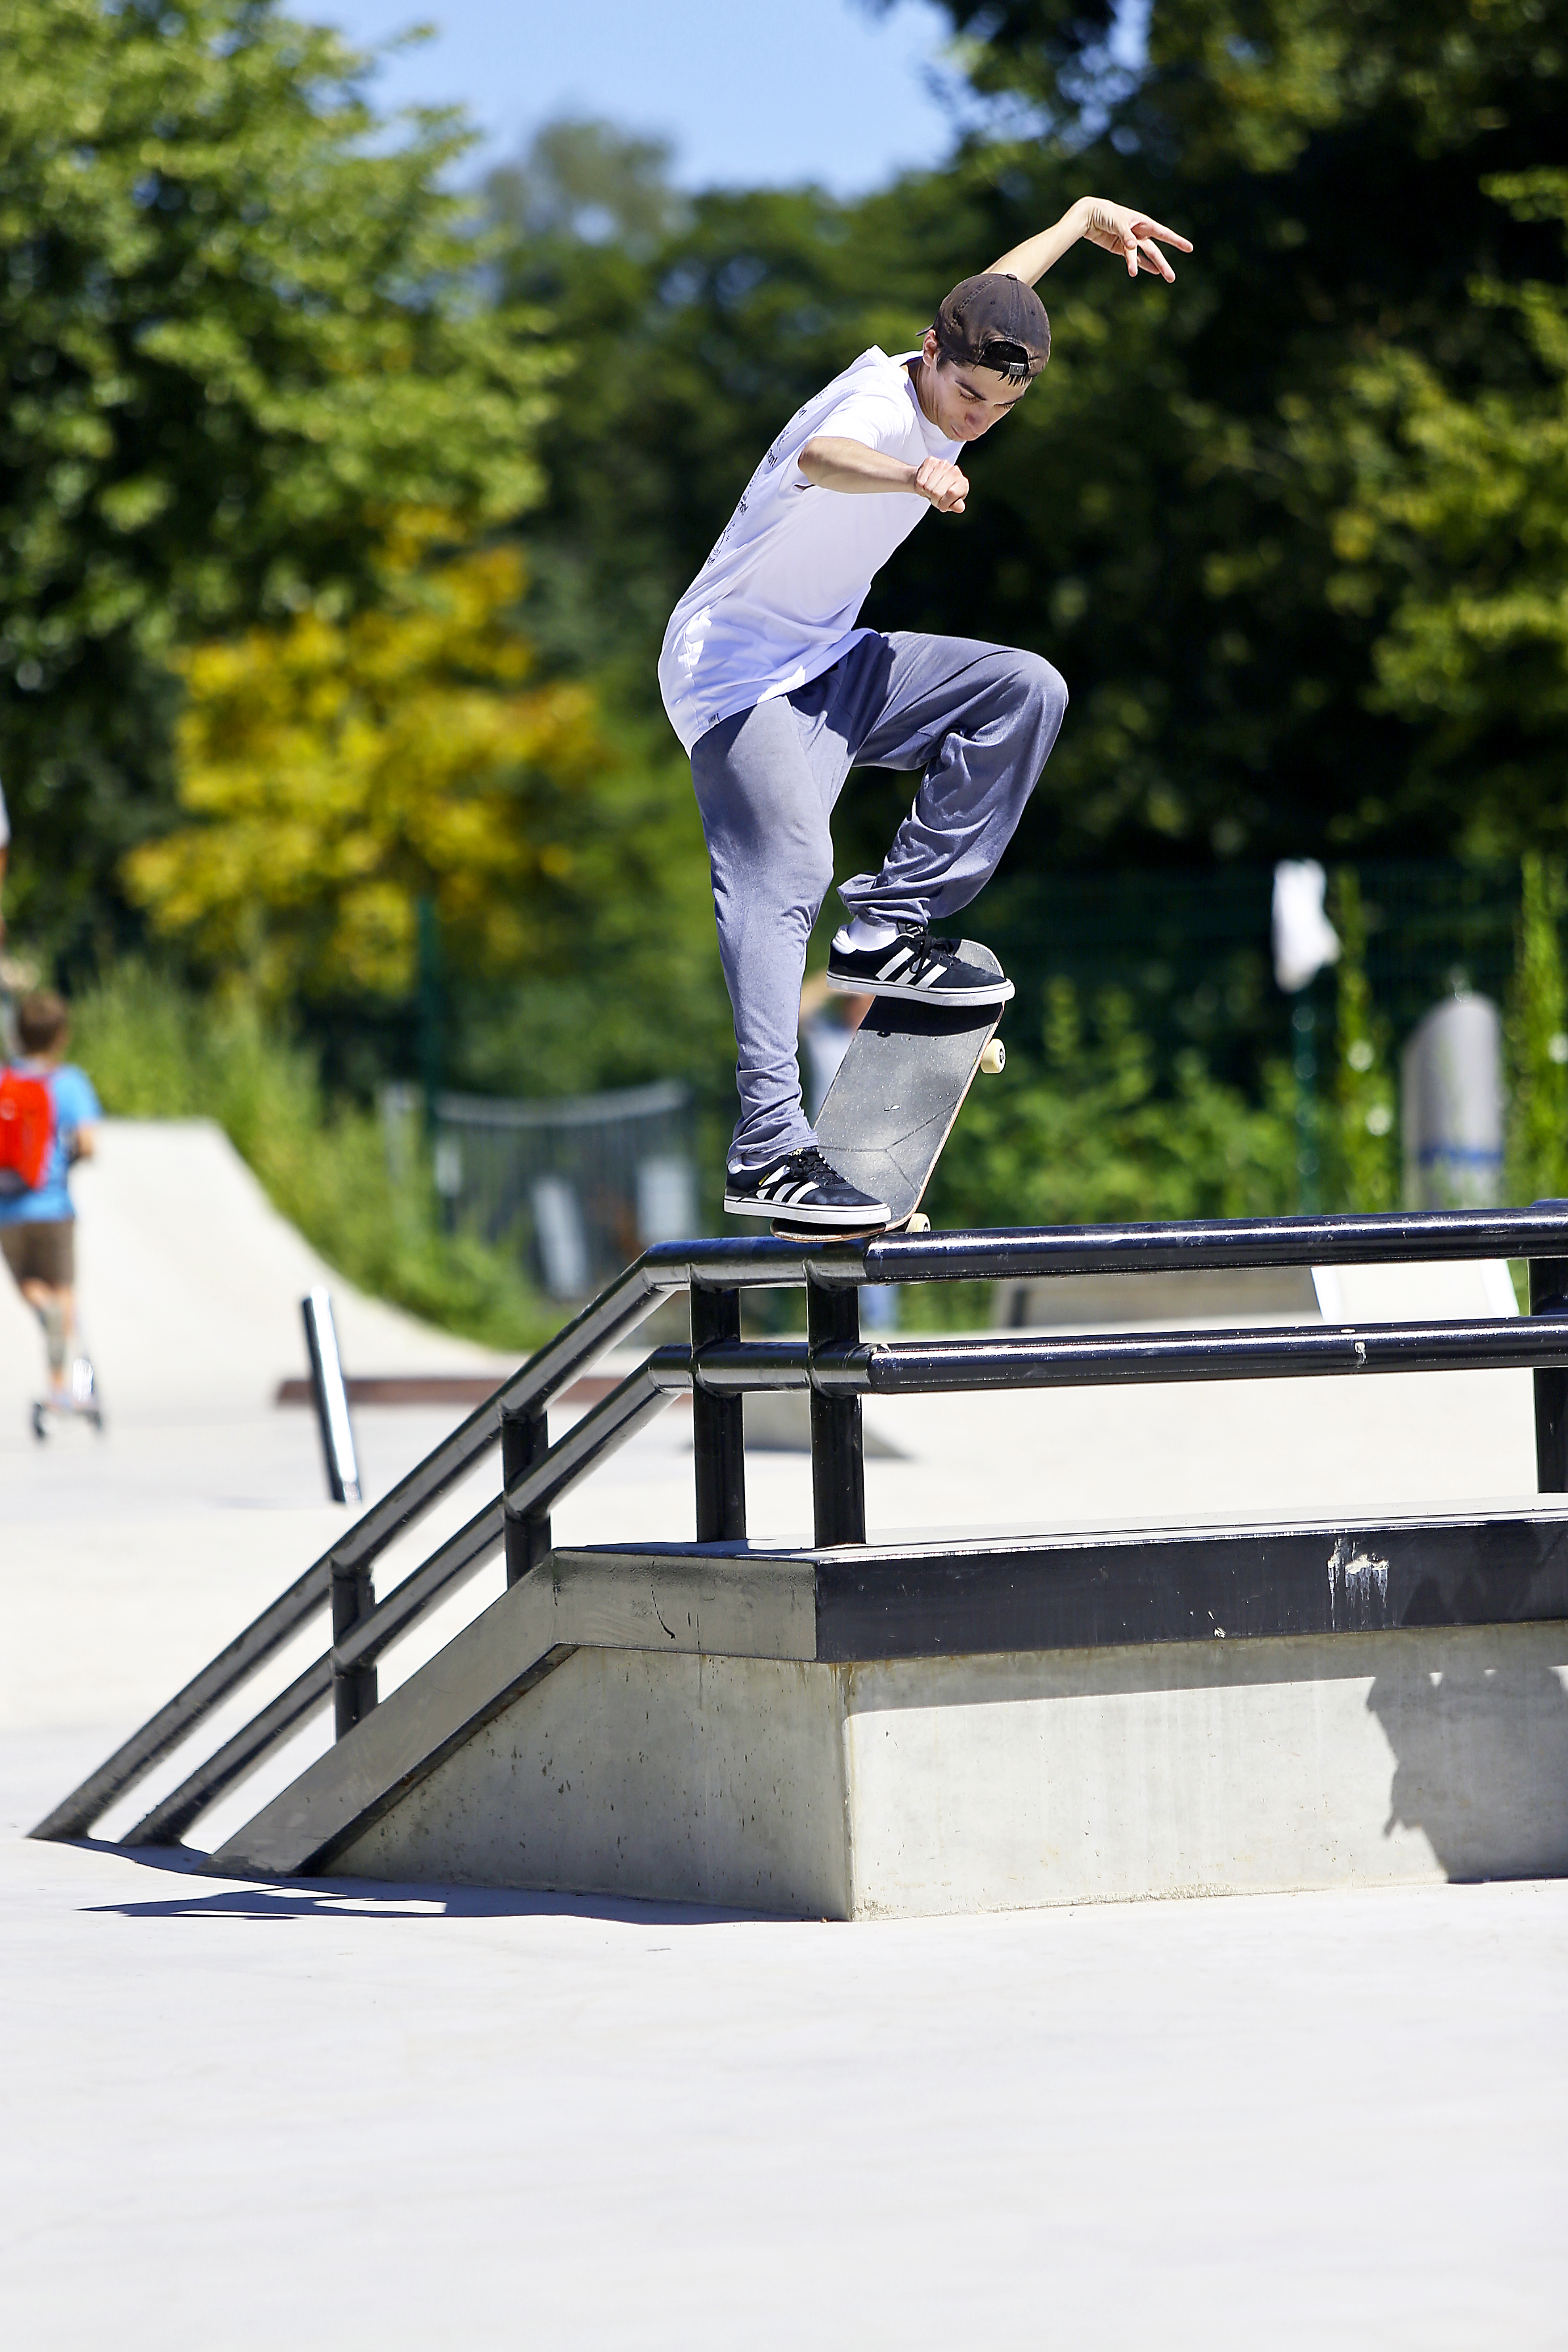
(354, 1691)
(1549, 1296)
(718, 1425)
(331, 1398)
(525, 1442)
(838, 1463)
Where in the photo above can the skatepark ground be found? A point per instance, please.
(354, 2114)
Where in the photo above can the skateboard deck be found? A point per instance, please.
(899, 1088)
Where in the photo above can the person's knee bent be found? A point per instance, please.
(1040, 687)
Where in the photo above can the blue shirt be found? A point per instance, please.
(76, 1105)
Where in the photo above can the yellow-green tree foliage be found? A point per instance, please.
(336, 770)
(236, 319)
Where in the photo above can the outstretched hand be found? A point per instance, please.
(1117, 228)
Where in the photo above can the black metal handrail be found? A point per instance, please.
(1089, 1359)
(835, 1367)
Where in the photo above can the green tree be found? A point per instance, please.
(582, 182)
(1457, 526)
(237, 327)
(1161, 517)
(1332, 163)
(1536, 1037)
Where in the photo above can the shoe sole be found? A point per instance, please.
(791, 1211)
(999, 994)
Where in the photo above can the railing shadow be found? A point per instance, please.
(333, 1900)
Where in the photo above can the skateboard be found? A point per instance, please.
(899, 1088)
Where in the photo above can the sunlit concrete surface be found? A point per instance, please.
(338, 2114)
(352, 2114)
(189, 1284)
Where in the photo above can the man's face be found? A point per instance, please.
(963, 402)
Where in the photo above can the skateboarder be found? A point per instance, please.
(54, 1115)
(776, 694)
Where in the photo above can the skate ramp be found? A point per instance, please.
(189, 1284)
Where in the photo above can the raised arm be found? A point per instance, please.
(1115, 228)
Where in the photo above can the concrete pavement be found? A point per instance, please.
(344, 2115)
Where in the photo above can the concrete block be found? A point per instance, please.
(700, 1779)
(915, 1786)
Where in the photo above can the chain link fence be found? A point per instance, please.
(577, 1187)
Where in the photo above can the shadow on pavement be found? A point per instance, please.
(336, 1899)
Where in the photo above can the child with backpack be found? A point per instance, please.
(47, 1118)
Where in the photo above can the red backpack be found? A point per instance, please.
(26, 1132)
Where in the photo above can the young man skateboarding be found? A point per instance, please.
(777, 695)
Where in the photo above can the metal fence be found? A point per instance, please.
(1192, 950)
(576, 1186)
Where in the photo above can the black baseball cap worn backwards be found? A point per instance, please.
(995, 322)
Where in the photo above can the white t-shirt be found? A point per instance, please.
(777, 602)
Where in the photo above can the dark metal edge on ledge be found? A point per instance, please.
(1254, 1583)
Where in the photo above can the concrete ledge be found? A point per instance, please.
(911, 1786)
(761, 1609)
(967, 1724)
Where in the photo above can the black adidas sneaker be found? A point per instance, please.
(804, 1187)
(915, 965)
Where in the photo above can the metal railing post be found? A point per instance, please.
(525, 1442)
(718, 1425)
(838, 1461)
(331, 1395)
(1549, 1296)
(354, 1690)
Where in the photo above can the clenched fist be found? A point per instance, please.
(942, 484)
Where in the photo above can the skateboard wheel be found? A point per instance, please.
(919, 1223)
(993, 1056)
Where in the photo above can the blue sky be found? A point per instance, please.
(752, 92)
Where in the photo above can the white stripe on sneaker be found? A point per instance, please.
(896, 963)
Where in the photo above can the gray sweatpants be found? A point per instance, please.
(977, 722)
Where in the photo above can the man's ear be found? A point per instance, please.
(928, 350)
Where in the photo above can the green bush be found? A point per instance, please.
(1363, 1125)
(1087, 1133)
(1536, 1037)
(156, 1050)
